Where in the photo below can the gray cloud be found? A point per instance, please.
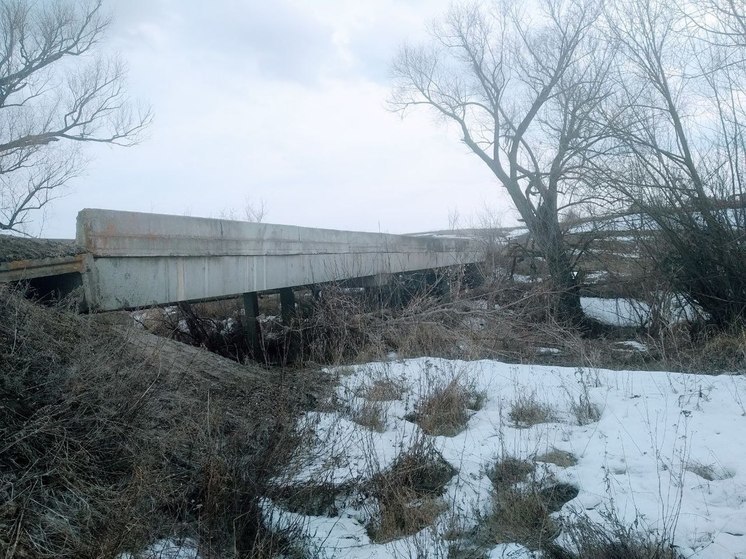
(271, 38)
(283, 102)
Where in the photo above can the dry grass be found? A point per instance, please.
(724, 351)
(507, 321)
(405, 512)
(371, 415)
(383, 390)
(584, 410)
(339, 327)
(558, 457)
(111, 441)
(310, 499)
(526, 410)
(408, 493)
(519, 515)
(521, 507)
(709, 472)
(374, 397)
(509, 471)
(693, 348)
(444, 408)
(611, 540)
(411, 337)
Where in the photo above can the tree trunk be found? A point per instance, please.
(552, 245)
(561, 273)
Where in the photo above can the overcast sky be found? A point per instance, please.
(279, 102)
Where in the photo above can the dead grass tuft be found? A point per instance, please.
(405, 512)
(694, 348)
(371, 415)
(611, 540)
(310, 499)
(444, 408)
(526, 410)
(521, 507)
(725, 351)
(408, 493)
(584, 411)
(519, 515)
(558, 457)
(709, 472)
(383, 390)
(509, 471)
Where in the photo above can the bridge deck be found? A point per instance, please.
(130, 260)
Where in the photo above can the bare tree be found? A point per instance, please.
(251, 211)
(723, 21)
(51, 103)
(680, 156)
(525, 94)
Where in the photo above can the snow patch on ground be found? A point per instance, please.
(656, 430)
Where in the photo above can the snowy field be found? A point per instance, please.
(666, 454)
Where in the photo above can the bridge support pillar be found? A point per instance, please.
(251, 325)
(287, 312)
(445, 289)
(287, 305)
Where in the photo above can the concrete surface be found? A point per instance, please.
(141, 260)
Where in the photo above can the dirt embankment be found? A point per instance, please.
(111, 438)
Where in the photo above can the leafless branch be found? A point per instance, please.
(52, 92)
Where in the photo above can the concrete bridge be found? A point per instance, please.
(126, 260)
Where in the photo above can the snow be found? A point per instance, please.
(522, 278)
(635, 313)
(730, 217)
(632, 345)
(167, 549)
(616, 312)
(656, 429)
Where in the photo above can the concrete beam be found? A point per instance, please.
(21, 270)
(143, 260)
